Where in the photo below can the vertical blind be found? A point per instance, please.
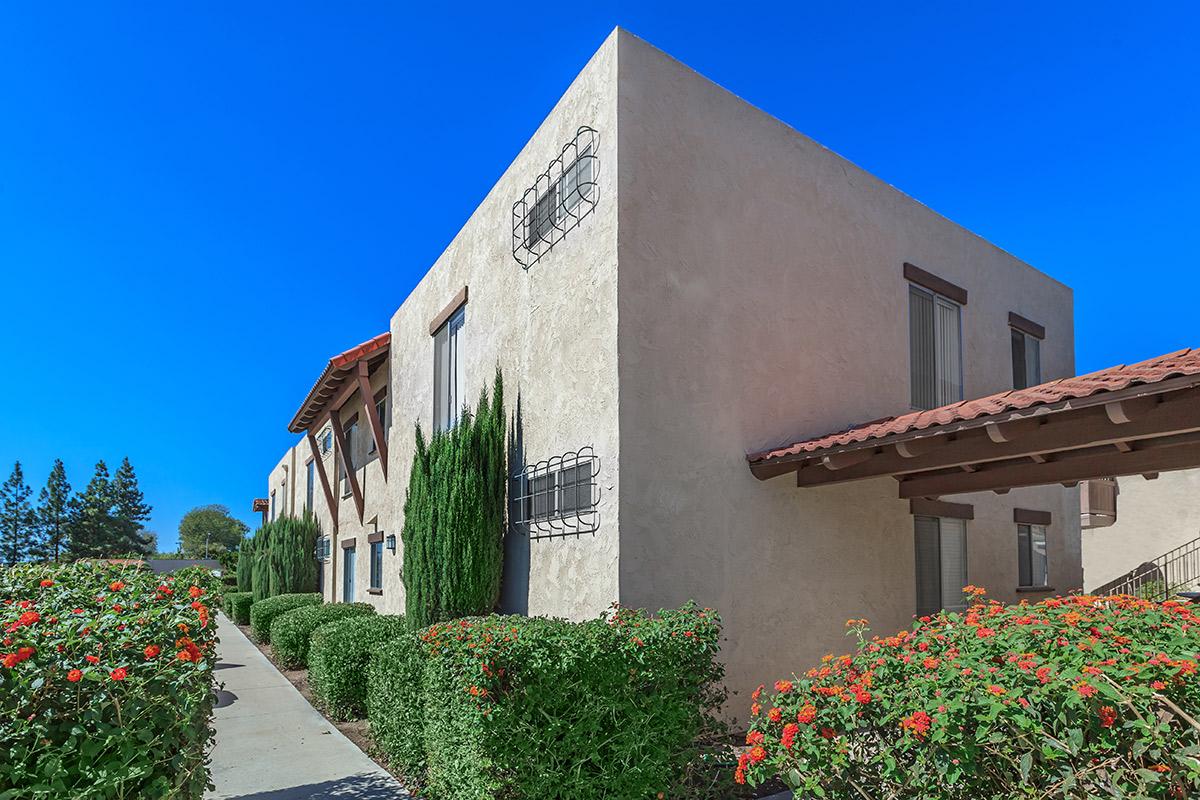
(935, 349)
(447, 371)
(941, 560)
(1032, 567)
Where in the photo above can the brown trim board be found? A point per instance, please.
(1024, 325)
(924, 507)
(348, 544)
(374, 538)
(1028, 516)
(459, 300)
(933, 283)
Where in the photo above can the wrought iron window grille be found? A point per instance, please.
(562, 196)
(557, 497)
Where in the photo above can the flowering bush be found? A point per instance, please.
(338, 654)
(290, 631)
(264, 612)
(105, 681)
(530, 707)
(1071, 697)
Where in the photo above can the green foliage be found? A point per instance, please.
(338, 655)
(130, 511)
(240, 607)
(18, 533)
(454, 517)
(279, 558)
(135, 722)
(1071, 697)
(207, 531)
(106, 519)
(291, 631)
(53, 511)
(264, 612)
(531, 707)
(230, 600)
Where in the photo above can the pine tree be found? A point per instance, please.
(53, 511)
(130, 511)
(17, 529)
(91, 526)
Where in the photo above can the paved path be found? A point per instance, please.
(272, 745)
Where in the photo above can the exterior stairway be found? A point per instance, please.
(1175, 571)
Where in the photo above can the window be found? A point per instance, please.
(558, 496)
(272, 505)
(310, 483)
(326, 441)
(1026, 359)
(447, 371)
(348, 575)
(575, 487)
(381, 411)
(558, 200)
(377, 565)
(935, 348)
(1031, 555)
(350, 431)
(941, 550)
(576, 184)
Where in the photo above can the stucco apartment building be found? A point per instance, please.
(670, 279)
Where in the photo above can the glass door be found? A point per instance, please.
(348, 575)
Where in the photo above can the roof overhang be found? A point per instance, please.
(337, 380)
(1128, 420)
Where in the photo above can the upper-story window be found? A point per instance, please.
(448, 370)
(325, 441)
(350, 431)
(310, 483)
(381, 411)
(272, 505)
(558, 199)
(935, 348)
(1026, 338)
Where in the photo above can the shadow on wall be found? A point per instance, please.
(514, 583)
(353, 787)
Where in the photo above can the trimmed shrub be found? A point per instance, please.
(230, 600)
(338, 655)
(454, 517)
(519, 707)
(264, 612)
(290, 632)
(278, 559)
(1070, 697)
(241, 608)
(106, 682)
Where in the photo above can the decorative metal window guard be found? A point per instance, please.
(562, 196)
(557, 497)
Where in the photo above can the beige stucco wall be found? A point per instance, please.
(762, 300)
(1152, 518)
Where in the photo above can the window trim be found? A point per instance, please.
(932, 283)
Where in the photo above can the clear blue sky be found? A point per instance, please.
(183, 185)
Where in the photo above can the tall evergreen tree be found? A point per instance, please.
(130, 510)
(90, 530)
(17, 529)
(53, 511)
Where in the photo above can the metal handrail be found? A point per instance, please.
(1160, 578)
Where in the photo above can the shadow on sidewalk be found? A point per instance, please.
(353, 787)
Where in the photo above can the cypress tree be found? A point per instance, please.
(90, 528)
(262, 562)
(245, 565)
(454, 516)
(53, 511)
(17, 528)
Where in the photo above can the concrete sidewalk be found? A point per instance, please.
(272, 745)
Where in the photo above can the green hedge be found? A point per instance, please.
(231, 599)
(338, 655)
(264, 612)
(106, 682)
(241, 608)
(530, 708)
(290, 632)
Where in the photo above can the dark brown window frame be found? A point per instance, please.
(924, 507)
(455, 304)
(1025, 325)
(927, 280)
(1029, 516)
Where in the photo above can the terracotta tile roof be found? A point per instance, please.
(335, 373)
(1154, 370)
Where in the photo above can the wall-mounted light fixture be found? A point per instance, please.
(391, 542)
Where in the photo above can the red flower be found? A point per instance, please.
(789, 735)
(118, 674)
(918, 722)
(996, 690)
(807, 713)
(984, 633)
(754, 737)
(93, 659)
(151, 651)
(28, 618)
(10, 660)
(74, 676)
(757, 753)
(775, 715)
(1085, 689)
(783, 687)
(195, 591)
(1108, 716)
(116, 586)
(25, 653)
(46, 583)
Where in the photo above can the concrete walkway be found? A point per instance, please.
(272, 745)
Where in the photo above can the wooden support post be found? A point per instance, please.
(344, 457)
(325, 488)
(368, 401)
